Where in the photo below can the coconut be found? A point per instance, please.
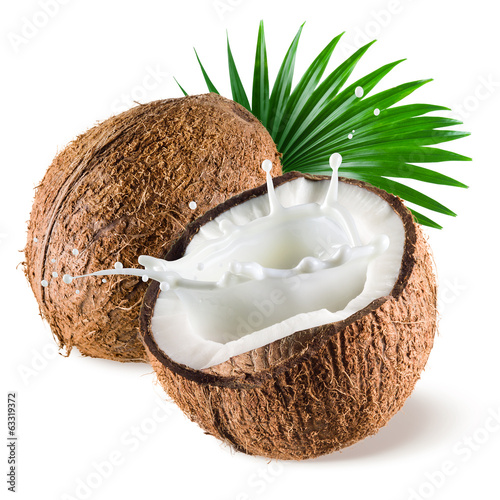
(128, 186)
(318, 381)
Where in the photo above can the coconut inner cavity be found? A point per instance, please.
(307, 254)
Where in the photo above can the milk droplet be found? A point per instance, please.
(193, 205)
(274, 204)
(67, 279)
(350, 136)
(335, 162)
(44, 283)
(359, 92)
(118, 265)
(376, 111)
(164, 286)
(331, 194)
(74, 252)
(145, 278)
(54, 275)
(104, 280)
(267, 165)
(53, 261)
(77, 291)
(35, 239)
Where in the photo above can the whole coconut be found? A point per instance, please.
(124, 188)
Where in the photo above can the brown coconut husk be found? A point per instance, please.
(122, 189)
(318, 390)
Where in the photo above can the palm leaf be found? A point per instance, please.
(321, 115)
(237, 89)
(281, 89)
(320, 97)
(335, 111)
(424, 220)
(305, 87)
(182, 90)
(260, 89)
(210, 85)
(394, 169)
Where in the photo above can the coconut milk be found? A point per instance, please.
(273, 263)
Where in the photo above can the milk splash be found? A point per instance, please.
(221, 280)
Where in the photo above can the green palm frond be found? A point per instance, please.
(378, 140)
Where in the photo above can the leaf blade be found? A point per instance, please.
(407, 193)
(260, 88)
(237, 89)
(282, 86)
(210, 85)
(309, 81)
(183, 91)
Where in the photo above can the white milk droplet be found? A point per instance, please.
(44, 283)
(145, 278)
(274, 204)
(359, 92)
(118, 265)
(74, 252)
(349, 136)
(335, 162)
(67, 279)
(104, 280)
(193, 205)
(376, 111)
(35, 239)
(331, 195)
(164, 286)
(77, 291)
(54, 275)
(267, 165)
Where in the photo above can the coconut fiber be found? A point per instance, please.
(123, 189)
(318, 390)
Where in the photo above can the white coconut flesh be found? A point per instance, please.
(277, 273)
(306, 254)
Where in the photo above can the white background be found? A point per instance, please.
(90, 59)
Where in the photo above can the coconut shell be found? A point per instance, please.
(318, 390)
(123, 189)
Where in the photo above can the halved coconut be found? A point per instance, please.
(313, 365)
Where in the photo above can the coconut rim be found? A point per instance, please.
(252, 380)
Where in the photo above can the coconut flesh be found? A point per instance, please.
(300, 258)
(308, 254)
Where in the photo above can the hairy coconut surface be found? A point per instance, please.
(122, 189)
(317, 390)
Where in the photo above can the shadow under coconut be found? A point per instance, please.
(422, 421)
